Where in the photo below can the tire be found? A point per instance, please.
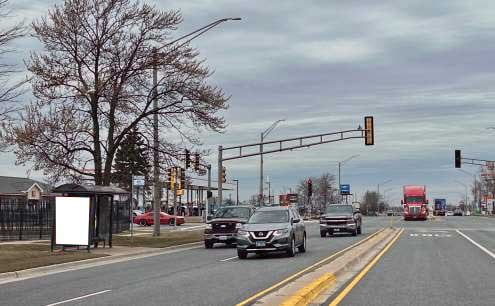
(241, 254)
(330, 233)
(355, 232)
(291, 252)
(323, 234)
(171, 222)
(143, 222)
(208, 244)
(302, 247)
(360, 231)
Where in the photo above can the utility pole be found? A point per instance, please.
(156, 162)
(220, 167)
(208, 193)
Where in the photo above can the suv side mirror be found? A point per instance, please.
(209, 217)
(296, 220)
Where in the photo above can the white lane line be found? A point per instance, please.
(79, 298)
(227, 259)
(476, 244)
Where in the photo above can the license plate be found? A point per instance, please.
(336, 229)
(260, 243)
(222, 238)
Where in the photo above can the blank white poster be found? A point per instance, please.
(72, 220)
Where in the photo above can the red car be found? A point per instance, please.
(147, 219)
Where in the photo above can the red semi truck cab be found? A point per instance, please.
(415, 202)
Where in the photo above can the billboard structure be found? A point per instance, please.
(72, 221)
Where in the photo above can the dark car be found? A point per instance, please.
(340, 218)
(222, 227)
(272, 229)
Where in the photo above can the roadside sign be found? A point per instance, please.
(345, 189)
(138, 180)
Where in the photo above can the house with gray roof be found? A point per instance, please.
(23, 186)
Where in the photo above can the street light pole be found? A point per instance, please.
(262, 137)
(156, 144)
(378, 190)
(477, 195)
(237, 191)
(340, 170)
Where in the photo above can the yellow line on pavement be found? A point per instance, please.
(293, 276)
(361, 274)
(307, 293)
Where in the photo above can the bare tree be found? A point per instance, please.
(9, 91)
(92, 84)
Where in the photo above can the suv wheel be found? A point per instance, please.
(323, 234)
(302, 247)
(355, 232)
(241, 254)
(292, 248)
(208, 244)
(360, 231)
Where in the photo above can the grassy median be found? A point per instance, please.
(165, 239)
(15, 257)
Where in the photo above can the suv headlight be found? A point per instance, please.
(238, 225)
(280, 232)
(242, 233)
(208, 226)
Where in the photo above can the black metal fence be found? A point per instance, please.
(22, 219)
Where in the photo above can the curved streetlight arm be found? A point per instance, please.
(273, 126)
(198, 32)
(349, 158)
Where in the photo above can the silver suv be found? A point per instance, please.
(340, 218)
(272, 229)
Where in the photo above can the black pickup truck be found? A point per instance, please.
(223, 226)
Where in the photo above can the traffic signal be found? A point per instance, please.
(188, 159)
(457, 158)
(369, 132)
(310, 187)
(182, 179)
(196, 161)
(224, 175)
(170, 178)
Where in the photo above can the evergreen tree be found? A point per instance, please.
(131, 158)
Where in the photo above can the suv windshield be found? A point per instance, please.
(233, 212)
(269, 216)
(337, 209)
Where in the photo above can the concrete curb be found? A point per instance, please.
(8, 277)
(306, 294)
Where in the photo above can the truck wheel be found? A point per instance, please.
(323, 234)
(208, 244)
(241, 254)
(355, 232)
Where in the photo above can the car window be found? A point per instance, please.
(233, 212)
(269, 216)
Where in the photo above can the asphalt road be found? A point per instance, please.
(433, 264)
(193, 277)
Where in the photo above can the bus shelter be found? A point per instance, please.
(109, 210)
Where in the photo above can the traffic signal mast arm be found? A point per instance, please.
(317, 140)
(471, 161)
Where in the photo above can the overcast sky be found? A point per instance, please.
(423, 69)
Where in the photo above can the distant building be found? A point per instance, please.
(22, 186)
